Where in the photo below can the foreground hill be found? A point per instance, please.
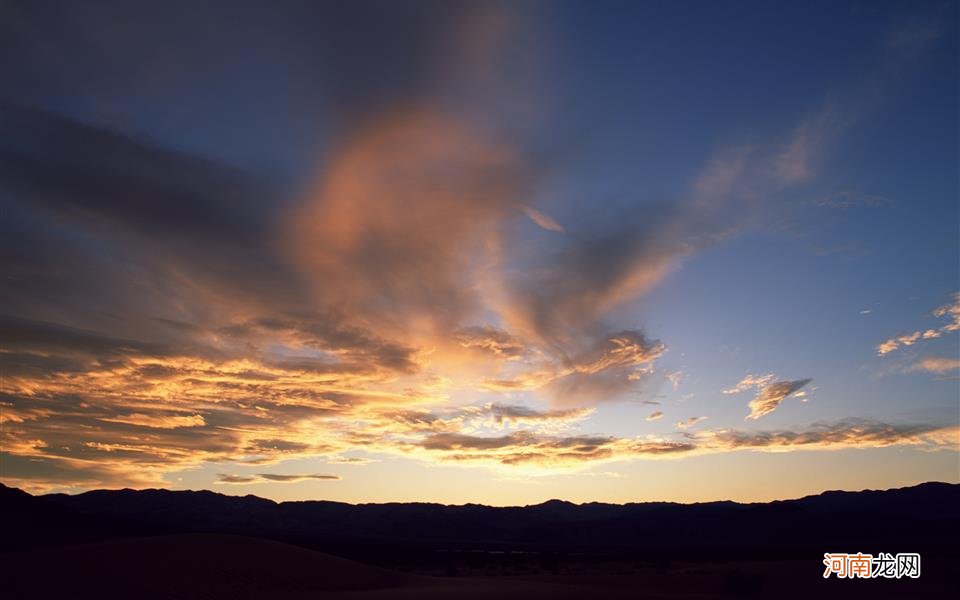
(234, 567)
(164, 544)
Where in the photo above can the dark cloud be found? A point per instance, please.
(112, 180)
(225, 478)
(351, 59)
(272, 477)
(526, 447)
(851, 433)
(520, 414)
(567, 296)
(292, 478)
(459, 441)
(51, 339)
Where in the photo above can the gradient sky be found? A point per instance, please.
(480, 252)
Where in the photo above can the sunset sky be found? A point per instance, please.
(480, 252)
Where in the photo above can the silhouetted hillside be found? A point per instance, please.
(162, 544)
(206, 566)
(924, 517)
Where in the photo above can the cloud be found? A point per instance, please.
(607, 368)
(770, 396)
(525, 449)
(561, 299)
(166, 311)
(238, 479)
(158, 421)
(272, 477)
(853, 433)
(293, 478)
(350, 460)
(412, 198)
(936, 365)
(521, 414)
(800, 158)
(675, 378)
(688, 423)
(655, 415)
(852, 199)
(543, 221)
(796, 162)
(491, 339)
(907, 339)
(770, 393)
(950, 310)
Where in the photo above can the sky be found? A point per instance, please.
(478, 251)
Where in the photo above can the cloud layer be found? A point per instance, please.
(166, 311)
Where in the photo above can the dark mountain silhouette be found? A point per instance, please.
(593, 544)
(918, 517)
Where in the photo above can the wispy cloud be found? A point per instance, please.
(675, 378)
(272, 477)
(950, 311)
(350, 460)
(688, 423)
(852, 199)
(491, 339)
(543, 221)
(936, 365)
(657, 414)
(606, 368)
(770, 392)
(525, 449)
(158, 421)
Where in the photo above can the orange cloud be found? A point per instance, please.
(158, 421)
(770, 393)
(405, 212)
(951, 310)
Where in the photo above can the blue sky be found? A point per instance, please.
(363, 245)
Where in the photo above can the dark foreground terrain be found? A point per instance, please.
(163, 544)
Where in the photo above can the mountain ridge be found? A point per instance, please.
(922, 516)
(550, 502)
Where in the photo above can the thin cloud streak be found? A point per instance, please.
(543, 221)
(224, 478)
